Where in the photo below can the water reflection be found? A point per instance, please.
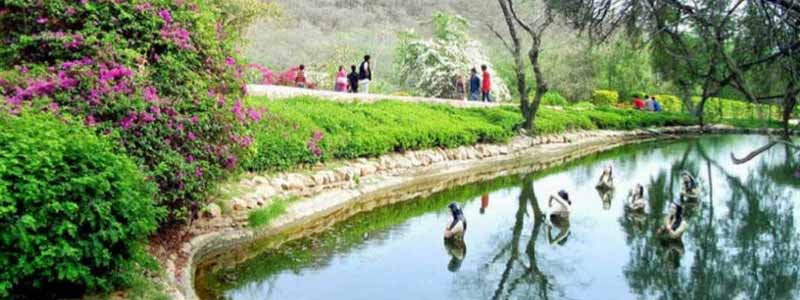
(741, 242)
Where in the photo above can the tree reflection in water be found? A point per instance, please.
(750, 252)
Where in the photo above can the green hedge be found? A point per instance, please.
(554, 99)
(73, 213)
(292, 129)
(574, 118)
(605, 97)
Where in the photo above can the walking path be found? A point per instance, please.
(274, 92)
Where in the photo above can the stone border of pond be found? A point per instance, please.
(337, 193)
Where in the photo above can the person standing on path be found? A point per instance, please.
(352, 79)
(487, 84)
(341, 80)
(300, 78)
(365, 74)
(474, 85)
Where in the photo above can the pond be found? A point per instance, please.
(741, 242)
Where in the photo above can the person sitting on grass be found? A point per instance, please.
(674, 224)
(458, 225)
(636, 201)
(657, 105)
(300, 78)
(648, 104)
(638, 103)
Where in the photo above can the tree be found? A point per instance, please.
(535, 29)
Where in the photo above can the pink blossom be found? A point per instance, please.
(254, 115)
(190, 158)
(230, 162)
(77, 41)
(90, 121)
(246, 141)
(150, 94)
(191, 136)
(237, 110)
(70, 11)
(165, 15)
(143, 7)
(42, 87)
(147, 117)
(65, 81)
(178, 35)
(155, 111)
(230, 61)
(87, 61)
(128, 120)
(41, 20)
(198, 171)
(53, 107)
(313, 143)
(23, 70)
(194, 119)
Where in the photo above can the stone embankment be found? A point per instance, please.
(342, 189)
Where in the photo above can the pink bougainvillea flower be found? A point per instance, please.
(191, 136)
(230, 61)
(313, 143)
(65, 81)
(190, 158)
(237, 110)
(165, 15)
(194, 119)
(41, 20)
(128, 120)
(198, 172)
(90, 121)
(71, 11)
(150, 94)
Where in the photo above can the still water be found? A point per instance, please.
(741, 243)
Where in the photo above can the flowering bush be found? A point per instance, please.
(160, 76)
(72, 212)
(432, 67)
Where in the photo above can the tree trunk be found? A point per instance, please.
(789, 103)
(519, 68)
(541, 83)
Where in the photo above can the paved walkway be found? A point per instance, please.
(275, 92)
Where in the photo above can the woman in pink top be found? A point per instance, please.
(341, 80)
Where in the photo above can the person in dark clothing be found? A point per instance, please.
(352, 80)
(474, 85)
(365, 74)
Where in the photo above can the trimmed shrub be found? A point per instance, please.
(554, 99)
(670, 103)
(160, 75)
(73, 213)
(307, 130)
(605, 97)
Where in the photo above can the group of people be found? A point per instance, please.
(649, 104)
(480, 88)
(356, 81)
(560, 205)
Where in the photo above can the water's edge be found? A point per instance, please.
(319, 212)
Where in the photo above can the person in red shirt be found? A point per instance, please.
(638, 103)
(486, 88)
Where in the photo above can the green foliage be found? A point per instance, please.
(605, 97)
(264, 216)
(554, 99)
(161, 75)
(670, 103)
(572, 118)
(294, 128)
(72, 211)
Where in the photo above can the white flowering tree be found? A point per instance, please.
(431, 67)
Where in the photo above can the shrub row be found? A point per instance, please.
(72, 211)
(307, 130)
(578, 118)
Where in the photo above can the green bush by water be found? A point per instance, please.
(292, 128)
(73, 213)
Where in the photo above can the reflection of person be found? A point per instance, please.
(484, 202)
(563, 231)
(689, 189)
(636, 201)
(606, 180)
(457, 250)
(674, 224)
(458, 225)
(562, 204)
